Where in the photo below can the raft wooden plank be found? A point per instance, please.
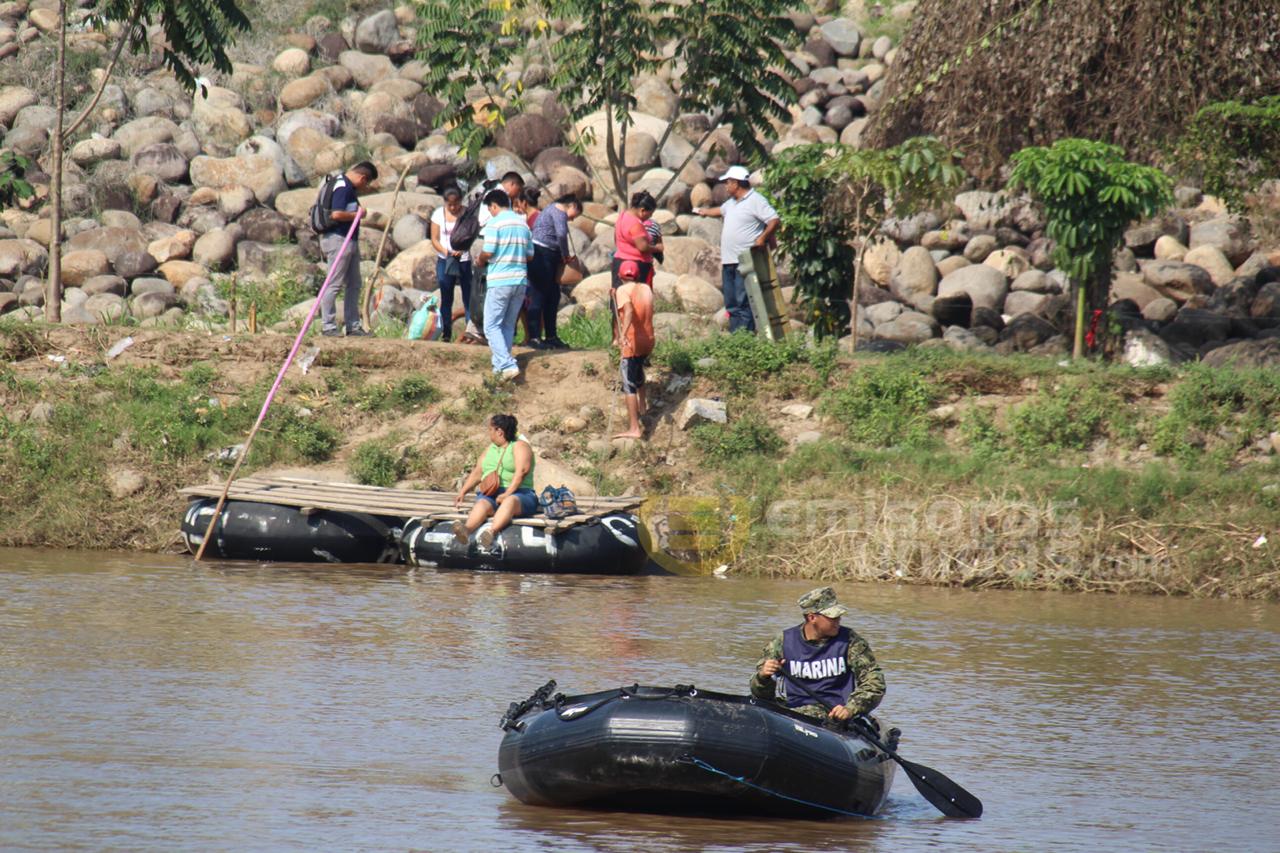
(376, 500)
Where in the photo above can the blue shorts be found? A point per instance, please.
(528, 501)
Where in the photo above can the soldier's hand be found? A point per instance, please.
(839, 712)
(770, 668)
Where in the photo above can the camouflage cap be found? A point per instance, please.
(822, 600)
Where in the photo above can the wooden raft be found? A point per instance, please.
(398, 503)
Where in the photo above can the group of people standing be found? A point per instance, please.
(523, 251)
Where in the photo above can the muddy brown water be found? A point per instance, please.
(150, 703)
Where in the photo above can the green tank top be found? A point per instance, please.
(506, 458)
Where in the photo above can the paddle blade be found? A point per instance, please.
(945, 795)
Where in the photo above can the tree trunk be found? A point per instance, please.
(53, 293)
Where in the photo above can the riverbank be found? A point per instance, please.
(920, 467)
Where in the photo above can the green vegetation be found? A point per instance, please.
(375, 464)
(746, 436)
(885, 405)
(1231, 147)
(741, 360)
(731, 54)
(272, 296)
(13, 186)
(1090, 195)
(587, 331)
(832, 198)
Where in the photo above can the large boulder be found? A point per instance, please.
(323, 123)
(654, 96)
(1211, 260)
(400, 271)
(366, 69)
(162, 160)
(1143, 237)
(215, 249)
(303, 92)
(880, 259)
(1195, 327)
(909, 327)
(80, 266)
(697, 295)
(219, 120)
(174, 247)
(14, 99)
(1263, 354)
(22, 257)
(262, 174)
(986, 286)
(1127, 285)
(375, 33)
(527, 135)
(915, 279)
(985, 210)
(1177, 280)
(145, 131)
(681, 254)
(261, 259)
(842, 36)
(112, 242)
(1228, 234)
(88, 152)
(263, 225)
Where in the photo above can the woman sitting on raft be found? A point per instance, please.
(512, 496)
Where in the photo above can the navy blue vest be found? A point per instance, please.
(823, 670)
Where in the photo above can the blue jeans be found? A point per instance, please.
(528, 501)
(462, 278)
(501, 309)
(734, 289)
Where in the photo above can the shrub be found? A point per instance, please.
(373, 464)
(588, 331)
(885, 404)
(746, 436)
(1067, 418)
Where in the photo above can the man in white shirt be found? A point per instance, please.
(749, 221)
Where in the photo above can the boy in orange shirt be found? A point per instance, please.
(635, 339)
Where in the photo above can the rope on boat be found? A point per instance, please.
(742, 780)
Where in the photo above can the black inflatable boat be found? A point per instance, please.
(247, 530)
(608, 545)
(679, 749)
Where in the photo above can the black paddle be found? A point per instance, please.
(945, 795)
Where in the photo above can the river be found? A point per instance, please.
(149, 702)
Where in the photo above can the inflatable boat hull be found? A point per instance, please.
(609, 545)
(681, 750)
(268, 532)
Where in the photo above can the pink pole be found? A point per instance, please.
(266, 404)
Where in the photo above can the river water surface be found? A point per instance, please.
(148, 702)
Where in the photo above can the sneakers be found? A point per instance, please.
(485, 539)
(331, 333)
(536, 343)
(511, 374)
(460, 532)
(554, 343)
(358, 333)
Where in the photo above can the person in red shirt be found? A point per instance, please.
(631, 239)
(635, 340)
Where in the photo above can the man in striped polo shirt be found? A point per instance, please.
(508, 246)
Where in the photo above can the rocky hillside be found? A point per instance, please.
(167, 194)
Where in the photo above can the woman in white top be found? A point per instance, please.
(452, 267)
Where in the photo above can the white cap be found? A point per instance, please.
(736, 173)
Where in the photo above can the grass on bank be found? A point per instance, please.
(1090, 477)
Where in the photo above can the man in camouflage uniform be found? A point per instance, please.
(832, 662)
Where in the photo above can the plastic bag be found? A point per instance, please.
(424, 324)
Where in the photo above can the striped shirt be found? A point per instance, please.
(510, 245)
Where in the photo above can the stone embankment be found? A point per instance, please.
(165, 193)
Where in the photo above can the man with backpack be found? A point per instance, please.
(335, 209)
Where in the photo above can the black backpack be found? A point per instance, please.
(467, 228)
(321, 221)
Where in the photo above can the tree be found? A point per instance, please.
(1090, 195)
(195, 32)
(833, 201)
(729, 53)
